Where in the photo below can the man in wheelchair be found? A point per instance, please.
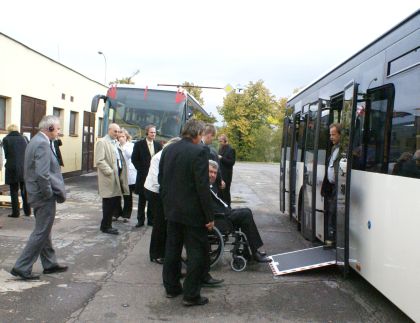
(241, 218)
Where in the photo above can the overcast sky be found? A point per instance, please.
(287, 44)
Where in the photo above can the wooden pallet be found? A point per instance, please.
(5, 201)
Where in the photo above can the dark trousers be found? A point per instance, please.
(14, 196)
(111, 206)
(225, 193)
(142, 205)
(196, 245)
(330, 207)
(128, 203)
(158, 239)
(242, 218)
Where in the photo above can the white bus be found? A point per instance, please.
(375, 95)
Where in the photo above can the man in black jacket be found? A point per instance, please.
(227, 158)
(185, 192)
(241, 218)
(143, 152)
(14, 145)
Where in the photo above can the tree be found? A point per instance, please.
(246, 115)
(194, 91)
(126, 80)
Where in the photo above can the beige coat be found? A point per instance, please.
(109, 183)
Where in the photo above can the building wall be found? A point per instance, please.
(27, 72)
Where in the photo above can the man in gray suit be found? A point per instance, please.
(45, 186)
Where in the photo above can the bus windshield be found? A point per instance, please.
(134, 108)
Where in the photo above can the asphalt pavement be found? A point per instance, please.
(111, 279)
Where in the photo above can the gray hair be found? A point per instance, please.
(193, 128)
(213, 164)
(48, 122)
(172, 141)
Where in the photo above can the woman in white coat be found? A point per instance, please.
(127, 150)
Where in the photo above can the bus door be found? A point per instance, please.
(283, 161)
(343, 178)
(296, 176)
(310, 171)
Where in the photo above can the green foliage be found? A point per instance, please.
(124, 80)
(207, 119)
(254, 122)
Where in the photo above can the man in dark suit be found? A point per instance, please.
(227, 158)
(143, 152)
(45, 187)
(185, 192)
(241, 218)
(14, 145)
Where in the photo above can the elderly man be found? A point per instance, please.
(112, 177)
(241, 218)
(45, 187)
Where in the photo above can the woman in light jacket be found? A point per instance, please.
(127, 150)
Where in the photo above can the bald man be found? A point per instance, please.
(112, 177)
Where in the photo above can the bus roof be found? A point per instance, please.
(412, 16)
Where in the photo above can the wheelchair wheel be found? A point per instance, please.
(217, 246)
(238, 263)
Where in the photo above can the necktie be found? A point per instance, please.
(151, 148)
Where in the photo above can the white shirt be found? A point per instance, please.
(151, 183)
(331, 173)
(151, 147)
(127, 151)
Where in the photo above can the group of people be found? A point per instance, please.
(184, 185)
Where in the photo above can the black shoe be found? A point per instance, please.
(212, 282)
(110, 231)
(13, 215)
(150, 224)
(18, 273)
(198, 301)
(55, 269)
(261, 258)
(158, 260)
(173, 295)
(139, 225)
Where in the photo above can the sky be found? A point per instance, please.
(287, 44)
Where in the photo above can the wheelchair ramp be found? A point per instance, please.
(300, 260)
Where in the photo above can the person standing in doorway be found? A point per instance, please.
(329, 189)
(112, 177)
(143, 152)
(14, 146)
(45, 187)
(227, 158)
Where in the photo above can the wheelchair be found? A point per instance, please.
(225, 234)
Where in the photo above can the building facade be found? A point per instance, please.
(33, 85)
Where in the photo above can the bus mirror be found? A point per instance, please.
(95, 102)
